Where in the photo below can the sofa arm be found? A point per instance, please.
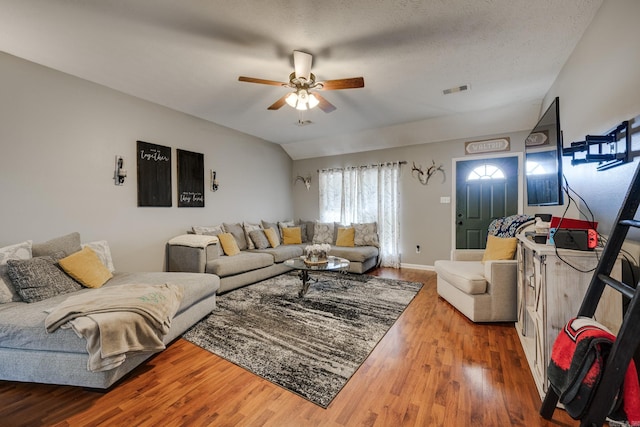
(190, 253)
(502, 271)
(467, 254)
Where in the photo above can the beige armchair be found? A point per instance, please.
(484, 292)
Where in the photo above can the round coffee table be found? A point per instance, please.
(333, 264)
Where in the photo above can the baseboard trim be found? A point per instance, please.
(417, 266)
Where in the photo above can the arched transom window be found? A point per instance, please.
(485, 171)
(535, 168)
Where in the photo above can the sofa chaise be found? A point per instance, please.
(28, 353)
(201, 251)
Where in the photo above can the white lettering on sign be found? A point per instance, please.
(154, 155)
(487, 146)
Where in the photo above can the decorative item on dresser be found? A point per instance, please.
(551, 284)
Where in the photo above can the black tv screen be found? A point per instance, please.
(543, 159)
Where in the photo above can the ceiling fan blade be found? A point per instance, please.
(302, 64)
(261, 81)
(324, 105)
(350, 83)
(279, 103)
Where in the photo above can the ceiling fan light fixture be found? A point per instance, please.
(313, 101)
(292, 99)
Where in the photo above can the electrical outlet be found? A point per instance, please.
(417, 249)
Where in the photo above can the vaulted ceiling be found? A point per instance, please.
(188, 54)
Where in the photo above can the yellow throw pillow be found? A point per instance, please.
(272, 237)
(291, 236)
(346, 236)
(86, 268)
(499, 248)
(229, 244)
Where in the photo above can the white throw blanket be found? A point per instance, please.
(117, 320)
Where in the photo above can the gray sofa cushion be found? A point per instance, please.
(283, 252)
(69, 244)
(468, 276)
(355, 254)
(22, 324)
(37, 279)
(244, 261)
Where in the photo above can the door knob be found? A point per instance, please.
(459, 222)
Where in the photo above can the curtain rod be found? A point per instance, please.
(401, 162)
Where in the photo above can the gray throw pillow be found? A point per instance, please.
(259, 239)
(69, 244)
(238, 233)
(37, 279)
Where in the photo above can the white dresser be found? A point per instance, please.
(550, 293)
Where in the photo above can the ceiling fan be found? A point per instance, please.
(305, 86)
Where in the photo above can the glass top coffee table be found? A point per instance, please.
(333, 264)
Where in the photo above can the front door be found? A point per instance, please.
(485, 189)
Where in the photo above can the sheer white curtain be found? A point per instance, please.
(365, 194)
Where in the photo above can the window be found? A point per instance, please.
(485, 172)
(535, 168)
(364, 194)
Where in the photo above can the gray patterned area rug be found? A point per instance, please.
(310, 345)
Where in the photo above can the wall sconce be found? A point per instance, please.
(306, 180)
(120, 173)
(214, 181)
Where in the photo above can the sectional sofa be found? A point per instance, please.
(200, 251)
(30, 353)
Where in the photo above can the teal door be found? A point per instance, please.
(485, 189)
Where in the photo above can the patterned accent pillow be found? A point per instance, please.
(210, 231)
(366, 234)
(238, 233)
(37, 279)
(247, 229)
(68, 244)
(18, 251)
(259, 239)
(508, 226)
(101, 248)
(323, 233)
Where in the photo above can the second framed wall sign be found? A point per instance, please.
(190, 179)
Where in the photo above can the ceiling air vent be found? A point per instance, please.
(456, 89)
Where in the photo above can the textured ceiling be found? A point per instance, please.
(188, 54)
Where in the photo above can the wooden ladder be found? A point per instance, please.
(628, 337)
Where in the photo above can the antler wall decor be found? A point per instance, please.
(424, 176)
(305, 179)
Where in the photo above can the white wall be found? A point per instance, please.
(424, 220)
(599, 87)
(59, 137)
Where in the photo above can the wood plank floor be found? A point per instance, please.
(433, 368)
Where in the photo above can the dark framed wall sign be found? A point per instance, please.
(154, 175)
(190, 179)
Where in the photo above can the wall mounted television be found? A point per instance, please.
(543, 159)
